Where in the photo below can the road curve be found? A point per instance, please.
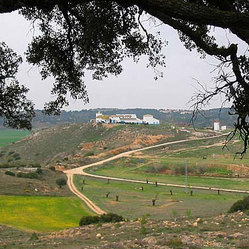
(88, 202)
(96, 209)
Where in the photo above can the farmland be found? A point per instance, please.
(42, 214)
(8, 136)
(69, 146)
(134, 202)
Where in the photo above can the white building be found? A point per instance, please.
(100, 118)
(223, 127)
(149, 119)
(216, 125)
(125, 119)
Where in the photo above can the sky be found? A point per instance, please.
(135, 87)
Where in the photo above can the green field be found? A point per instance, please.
(42, 214)
(208, 165)
(121, 170)
(8, 136)
(134, 203)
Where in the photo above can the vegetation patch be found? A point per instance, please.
(10, 173)
(104, 218)
(41, 214)
(30, 175)
(8, 136)
(240, 205)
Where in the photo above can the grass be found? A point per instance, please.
(8, 136)
(44, 186)
(167, 164)
(42, 214)
(133, 202)
(116, 169)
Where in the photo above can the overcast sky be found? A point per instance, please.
(135, 87)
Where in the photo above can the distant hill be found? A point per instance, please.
(60, 142)
(180, 117)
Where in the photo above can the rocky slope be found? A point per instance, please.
(224, 231)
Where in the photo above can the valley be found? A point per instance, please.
(153, 165)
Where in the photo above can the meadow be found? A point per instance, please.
(115, 169)
(134, 202)
(208, 165)
(8, 136)
(40, 213)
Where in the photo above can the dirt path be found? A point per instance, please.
(88, 202)
(96, 209)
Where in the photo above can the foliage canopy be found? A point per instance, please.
(96, 35)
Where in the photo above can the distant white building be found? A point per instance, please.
(223, 127)
(125, 119)
(100, 118)
(149, 119)
(216, 125)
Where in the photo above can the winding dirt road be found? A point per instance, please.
(96, 209)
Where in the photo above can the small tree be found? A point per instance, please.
(61, 182)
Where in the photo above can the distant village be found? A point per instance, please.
(125, 119)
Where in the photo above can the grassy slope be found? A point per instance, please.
(133, 202)
(59, 142)
(45, 186)
(8, 136)
(41, 214)
(150, 163)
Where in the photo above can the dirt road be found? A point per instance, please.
(96, 209)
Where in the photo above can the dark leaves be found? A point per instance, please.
(16, 110)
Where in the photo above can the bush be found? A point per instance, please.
(240, 205)
(16, 156)
(52, 168)
(109, 217)
(61, 182)
(87, 220)
(39, 171)
(30, 175)
(10, 173)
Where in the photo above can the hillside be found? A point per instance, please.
(223, 231)
(83, 141)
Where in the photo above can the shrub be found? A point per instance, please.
(52, 168)
(39, 171)
(240, 205)
(34, 236)
(30, 175)
(10, 173)
(109, 217)
(61, 182)
(87, 220)
(16, 156)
